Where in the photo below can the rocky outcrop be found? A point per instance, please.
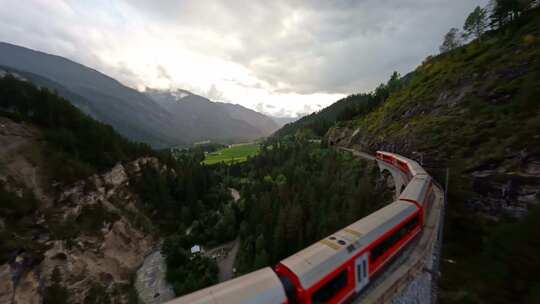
(89, 237)
(7, 288)
(27, 289)
(16, 140)
(506, 188)
(341, 136)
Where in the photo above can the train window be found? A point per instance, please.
(365, 268)
(329, 290)
(393, 239)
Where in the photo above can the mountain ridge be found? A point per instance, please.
(133, 113)
(197, 111)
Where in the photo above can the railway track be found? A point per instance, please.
(377, 257)
(419, 257)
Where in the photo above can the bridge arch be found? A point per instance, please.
(400, 179)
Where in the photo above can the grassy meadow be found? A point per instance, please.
(234, 154)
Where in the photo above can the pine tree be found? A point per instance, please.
(476, 23)
(451, 41)
(504, 11)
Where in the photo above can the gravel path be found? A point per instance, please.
(226, 265)
(396, 263)
(418, 291)
(225, 255)
(150, 281)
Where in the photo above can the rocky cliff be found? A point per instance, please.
(74, 244)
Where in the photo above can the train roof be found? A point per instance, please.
(318, 260)
(414, 166)
(417, 189)
(261, 286)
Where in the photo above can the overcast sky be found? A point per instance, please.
(280, 57)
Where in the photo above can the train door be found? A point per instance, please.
(362, 271)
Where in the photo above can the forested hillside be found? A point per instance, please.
(78, 197)
(474, 109)
(159, 118)
(317, 124)
(76, 145)
(295, 193)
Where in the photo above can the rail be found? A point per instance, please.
(424, 255)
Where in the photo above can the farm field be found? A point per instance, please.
(235, 154)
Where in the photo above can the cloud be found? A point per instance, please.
(285, 53)
(214, 94)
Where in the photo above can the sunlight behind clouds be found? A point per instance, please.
(294, 56)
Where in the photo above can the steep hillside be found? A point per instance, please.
(317, 124)
(475, 110)
(132, 113)
(60, 244)
(71, 228)
(81, 206)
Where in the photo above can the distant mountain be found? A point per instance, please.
(141, 117)
(198, 118)
(281, 121)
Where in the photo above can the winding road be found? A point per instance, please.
(226, 263)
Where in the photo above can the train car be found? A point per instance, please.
(341, 265)
(415, 168)
(408, 166)
(261, 286)
(385, 156)
(419, 191)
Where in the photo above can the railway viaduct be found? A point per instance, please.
(412, 276)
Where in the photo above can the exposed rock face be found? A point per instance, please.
(16, 138)
(7, 288)
(27, 290)
(507, 188)
(89, 236)
(452, 98)
(341, 136)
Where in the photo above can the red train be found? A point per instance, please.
(339, 267)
